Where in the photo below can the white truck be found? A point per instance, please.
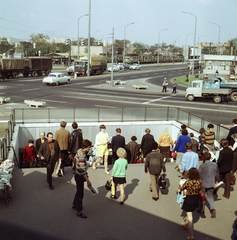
(217, 89)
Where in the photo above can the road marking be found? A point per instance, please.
(32, 89)
(158, 99)
(104, 106)
(47, 100)
(30, 80)
(80, 83)
(151, 104)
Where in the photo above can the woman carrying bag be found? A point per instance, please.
(192, 186)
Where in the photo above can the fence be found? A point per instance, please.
(53, 115)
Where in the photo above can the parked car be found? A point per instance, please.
(121, 66)
(115, 68)
(56, 79)
(135, 67)
(126, 66)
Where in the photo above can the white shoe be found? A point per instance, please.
(107, 173)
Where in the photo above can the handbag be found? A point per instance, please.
(201, 195)
(162, 182)
(108, 185)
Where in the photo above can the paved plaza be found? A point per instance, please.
(36, 212)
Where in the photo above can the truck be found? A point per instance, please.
(35, 66)
(217, 89)
(71, 69)
(98, 64)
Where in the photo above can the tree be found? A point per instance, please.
(140, 48)
(63, 48)
(232, 44)
(41, 43)
(4, 45)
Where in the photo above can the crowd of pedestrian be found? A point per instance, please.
(214, 170)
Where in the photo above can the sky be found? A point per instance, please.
(59, 19)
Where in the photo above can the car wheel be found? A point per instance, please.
(191, 97)
(47, 84)
(217, 99)
(233, 96)
(68, 81)
(47, 72)
(34, 74)
(14, 75)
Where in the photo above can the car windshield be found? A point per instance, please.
(51, 75)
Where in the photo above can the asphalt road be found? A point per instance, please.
(90, 92)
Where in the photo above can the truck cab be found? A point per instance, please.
(194, 90)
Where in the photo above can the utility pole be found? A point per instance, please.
(112, 70)
(89, 40)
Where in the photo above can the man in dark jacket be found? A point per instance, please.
(117, 142)
(232, 131)
(224, 163)
(49, 152)
(38, 143)
(155, 164)
(76, 140)
(147, 141)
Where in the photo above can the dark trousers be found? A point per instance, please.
(174, 90)
(79, 193)
(164, 89)
(50, 169)
(226, 176)
(64, 155)
(115, 157)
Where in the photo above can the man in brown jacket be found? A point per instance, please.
(63, 138)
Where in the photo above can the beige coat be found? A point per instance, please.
(63, 137)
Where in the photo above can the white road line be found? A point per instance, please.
(104, 106)
(80, 83)
(32, 89)
(47, 100)
(158, 99)
(30, 80)
(151, 104)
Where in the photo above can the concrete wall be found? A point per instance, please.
(24, 132)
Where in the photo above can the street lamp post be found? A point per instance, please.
(124, 41)
(218, 49)
(194, 38)
(158, 60)
(78, 34)
(89, 41)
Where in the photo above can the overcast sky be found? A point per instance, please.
(58, 19)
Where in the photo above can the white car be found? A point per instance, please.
(56, 79)
(115, 68)
(135, 67)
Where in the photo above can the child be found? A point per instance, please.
(29, 154)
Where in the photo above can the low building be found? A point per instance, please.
(222, 63)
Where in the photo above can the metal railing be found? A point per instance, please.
(53, 115)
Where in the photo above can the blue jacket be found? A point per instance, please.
(181, 143)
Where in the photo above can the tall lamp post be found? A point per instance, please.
(194, 38)
(218, 50)
(89, 41)
(78, 34)
(124, 41)
(158, 60)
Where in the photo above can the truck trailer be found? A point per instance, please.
(98, 64)
(34, 66)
